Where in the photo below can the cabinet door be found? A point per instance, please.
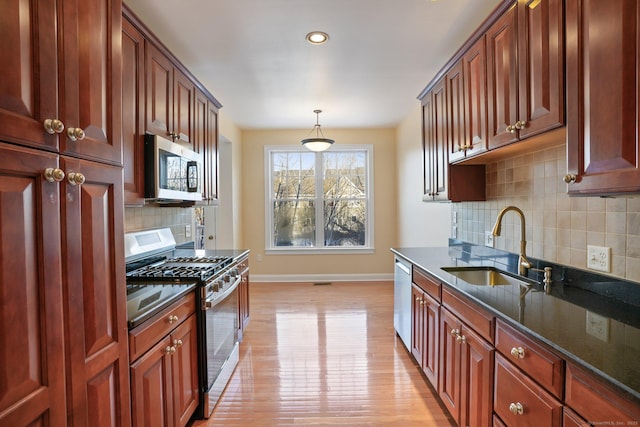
(32, 389)
(133, 113)
(91, 83)
(417, 323)
(95, 295)
(476, 388)
(456, 107)
(183, 105)
(603, 138)
(159, 86)
(431, 348)
(474, 65)
(441, 140)
(502, 78)
(211, 161)
(450, 360)
(184, 371)
(541, 66)
(151, 387)
(428, 147)
(28, 87)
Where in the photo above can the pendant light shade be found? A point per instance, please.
(318, 142)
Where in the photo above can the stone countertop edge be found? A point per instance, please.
(431, 259)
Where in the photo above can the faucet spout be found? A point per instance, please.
(523, 262)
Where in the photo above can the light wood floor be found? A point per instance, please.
(325, 355)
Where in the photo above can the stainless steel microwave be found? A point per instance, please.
(172, 171)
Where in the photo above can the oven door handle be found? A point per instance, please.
(209, 303)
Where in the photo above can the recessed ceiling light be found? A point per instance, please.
(317, 37)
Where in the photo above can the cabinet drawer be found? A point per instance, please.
(597, 402)
(518, 401)
(150, 332)
(478, 319)
(427, 284)
(532, 357)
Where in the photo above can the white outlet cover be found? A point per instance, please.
(488, 239)
(597, 326)
(599, 258)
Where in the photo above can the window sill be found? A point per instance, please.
(317, 251)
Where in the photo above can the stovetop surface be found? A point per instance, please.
(174, 269)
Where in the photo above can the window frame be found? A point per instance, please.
(369, 201)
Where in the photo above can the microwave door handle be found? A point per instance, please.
(192, 176)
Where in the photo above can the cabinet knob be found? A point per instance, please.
(170, 349)
(53, 174)
(75, 178)
(53, 126)
(455, 332)
(516, 408)
(461, 339)
(518, 352)
(520, 124)
(511, 129)
(172, 319)
(177, 343)
(569, 178)
(75, 134)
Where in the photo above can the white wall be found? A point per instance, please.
(419, 223)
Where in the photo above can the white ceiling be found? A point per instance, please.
(253, 56)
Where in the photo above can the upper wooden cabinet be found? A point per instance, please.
(603, 90)
(62, 91)
(525, 78)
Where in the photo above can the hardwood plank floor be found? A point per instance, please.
(325, 355)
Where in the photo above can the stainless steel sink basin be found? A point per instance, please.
(485, 276)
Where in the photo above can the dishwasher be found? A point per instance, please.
(402, 301)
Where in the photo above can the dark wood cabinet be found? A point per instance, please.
(425, 345)
(525, 79)
(31, 321)
(603, 89)
(133, 97)
(164, 372)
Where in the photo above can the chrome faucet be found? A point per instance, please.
(523, 262)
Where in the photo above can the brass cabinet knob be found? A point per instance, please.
(520, 124)
(461, 339)
(518, 352)
(172, 319)
(569, 178)
(53, 126)
(455, 332)
(177, 343)
(53, 174)
(75, 178)
(511, 129)
(75, 134)
(170, 349)
(516, 408)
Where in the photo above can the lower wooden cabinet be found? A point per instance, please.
(425, 345)
(164, 380)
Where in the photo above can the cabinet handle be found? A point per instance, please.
(75, 178)
(177, 343)
(75, 134)
(170, 349)
(518, 352)
(53, 126)
(455, 332)
(53, 175)
(520, 124)
(418, 298)
(516, 408)
(461, 339)
(569, 178)
(511, 129)
(172, 319)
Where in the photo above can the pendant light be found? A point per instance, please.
(318, 142)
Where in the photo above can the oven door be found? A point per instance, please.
(220, 353)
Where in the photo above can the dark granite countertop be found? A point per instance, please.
(590, 319)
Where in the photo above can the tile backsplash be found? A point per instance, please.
(150, 217)
(558, 227)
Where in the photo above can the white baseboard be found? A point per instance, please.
(312, 278)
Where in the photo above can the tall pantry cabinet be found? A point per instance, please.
(63, 330)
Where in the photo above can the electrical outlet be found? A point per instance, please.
(454, 232)
(488, 239)
(598, 326)
(455, 217)
(187, 231)
(599, 258)
(259, 257)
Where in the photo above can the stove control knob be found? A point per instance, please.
(234, 272)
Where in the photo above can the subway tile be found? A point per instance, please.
(617, 243)
(616, 204)
(633, 223)
(633, 270)
(578, 220)
(596, 221)
(616, 222)
(596, 238)
(596, 204)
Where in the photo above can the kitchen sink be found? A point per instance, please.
(485, 276)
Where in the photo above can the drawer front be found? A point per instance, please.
(532, 357)
(429, 285)
(479, 320)
(518, 401)
(597, 402)
(153, 330)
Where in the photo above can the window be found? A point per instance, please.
(319, 201)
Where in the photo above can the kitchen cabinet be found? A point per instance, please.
(444, 182)
(425, 345)
(66, 366)
(206, 143)
(571, 419)
(466, 372)
(65, 76)
(133, 97)
(603, 89)
(525, 79)
(164, 372)
(243, 297)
